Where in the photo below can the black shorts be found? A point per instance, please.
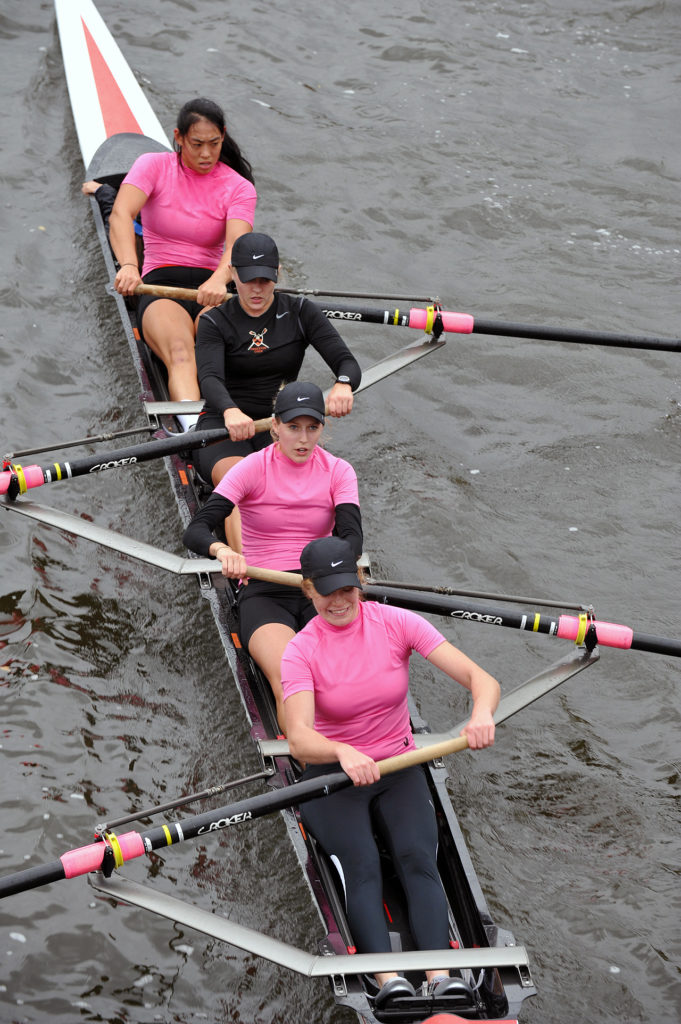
(177, 277)
(205, 458)
(261, 603)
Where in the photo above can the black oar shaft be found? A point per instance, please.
(458, 608)
(567, 627)
(31, 878)
(577, 336)
(247, 809)
(120, 849)
(92, 464)
(655, 644)
(464, 323)
(181, 801)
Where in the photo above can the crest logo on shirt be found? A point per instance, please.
(258, 344)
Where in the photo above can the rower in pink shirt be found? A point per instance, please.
(345, 678)
(194, 204)
(288, 494)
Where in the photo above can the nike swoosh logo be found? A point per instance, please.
(279, 315)
(259, 257)
(304, 399)
(334, 564)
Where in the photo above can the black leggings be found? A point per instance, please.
(399, 807)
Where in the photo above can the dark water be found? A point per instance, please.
(520, 160)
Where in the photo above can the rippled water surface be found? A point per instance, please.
(521, 161)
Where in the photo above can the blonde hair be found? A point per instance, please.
(310, 590)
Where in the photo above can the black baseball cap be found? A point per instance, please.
(255, 255)
(300, 398)
(330, 563)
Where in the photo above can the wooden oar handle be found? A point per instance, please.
(167, 292)
(289, 579)
(419, 756)
(262, 426)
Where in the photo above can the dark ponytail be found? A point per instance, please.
(230, 154)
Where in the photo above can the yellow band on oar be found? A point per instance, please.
(537, 620)
(396, 318)
(581, 631)
(169, 838)
(19, 473)
(57, 470)
(116, 848)
(430, 319)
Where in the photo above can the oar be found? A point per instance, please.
(114, 851)
(438, 320)
(16, 479)
(567, 627)
(434, 318)
(147, 553)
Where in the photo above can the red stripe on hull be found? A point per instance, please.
(116, 112)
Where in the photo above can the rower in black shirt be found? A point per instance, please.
(248, 347)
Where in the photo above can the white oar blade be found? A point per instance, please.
(309, 964)
(115, 541)
(391, 364)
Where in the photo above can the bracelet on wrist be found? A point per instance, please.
(129, 265)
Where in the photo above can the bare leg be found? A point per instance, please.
(233, 521)
(169, 333)
(382, 978)
(266, 646)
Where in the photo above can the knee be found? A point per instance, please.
(181, 351)
(416, 861)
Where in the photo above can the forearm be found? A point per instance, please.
(223, 271)
(215, 392)
(122, 238)
(348, 526)
(485, 691)
(328, 343)
(234, 229)
(198, 536)
(311, 746)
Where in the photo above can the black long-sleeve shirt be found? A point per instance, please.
(242, 360)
